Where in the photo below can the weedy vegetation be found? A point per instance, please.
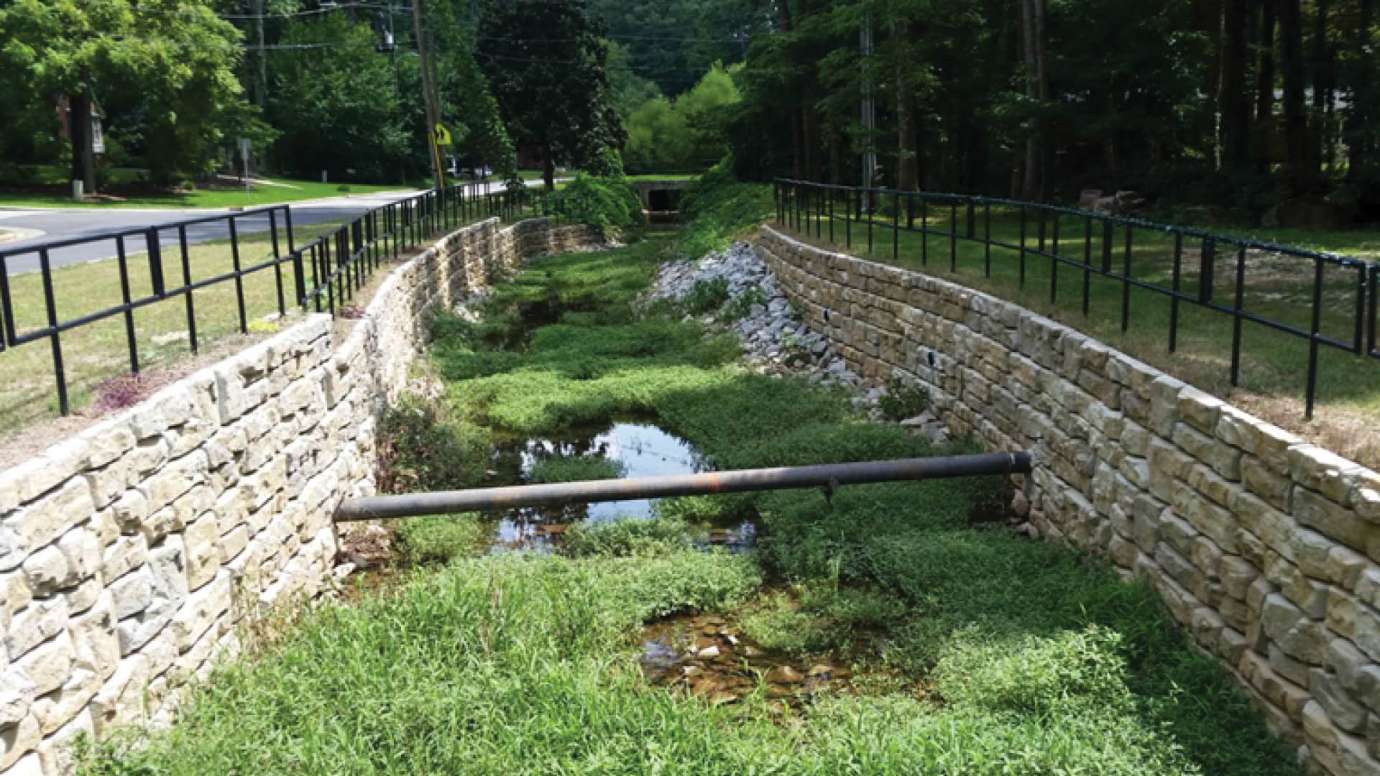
(999, 655)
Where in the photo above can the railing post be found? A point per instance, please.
(277, 260)
(50, 303)
(1313, 330)
(1177, 284)
(1373, 314)
(1236, 316)
(187, 285)
(1054, 260)
(239, 278)
(1207, 262)
(1126, 284)
(125, 298)
(1087, 264)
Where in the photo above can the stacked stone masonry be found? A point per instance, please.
(138, 552)
(1266, 548)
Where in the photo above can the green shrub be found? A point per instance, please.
(575, 468)
(740, 306)
(628, 536)
(608, 204)
(421, 447)
(903, 399)
(440, 538)
(706, 296)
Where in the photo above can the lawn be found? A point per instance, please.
(1273, 364)
(974, 650)
(49, 188)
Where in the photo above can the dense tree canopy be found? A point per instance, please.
(166, 66)
(1243, 103)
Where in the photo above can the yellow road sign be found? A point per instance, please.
(442, 134)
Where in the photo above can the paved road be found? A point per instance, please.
(71, 223)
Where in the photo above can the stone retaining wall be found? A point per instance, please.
(136, 553)
(1266, 548)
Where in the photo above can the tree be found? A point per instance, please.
(181, 55)
(546, 64)
(340, 106)
(689, 133)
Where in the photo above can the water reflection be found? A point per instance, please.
(643, 450)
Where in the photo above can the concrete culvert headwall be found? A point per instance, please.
(1266, 548)
(137, 552)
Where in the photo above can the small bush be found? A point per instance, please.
(714, 510)
(575, 468)
(740, 306)
(903, 399)
(608, 204)
(421, 447)
(706, 296)
(440, 538)
(628, 537)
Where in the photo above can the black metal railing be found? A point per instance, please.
(327, 271)
(1108, 244)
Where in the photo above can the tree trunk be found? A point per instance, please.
(1318, 72)
(1360, 131)
(907, 174)
(79, 128)
(1232, 105)
(1265, 87)
(1036, 88)
(1298, 154)
(548, 168)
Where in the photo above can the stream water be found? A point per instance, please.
(642, 449)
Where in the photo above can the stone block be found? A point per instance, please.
(202, 552)
(48, 571)
(1334, 521)
(1338, 753)
(1223, 458)
(42, 522)
(120, 701)
(1321, 470)
(48, 666)
(36, 623)
(1199, 410)
(123, 555)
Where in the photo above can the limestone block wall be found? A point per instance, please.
(1266, 548)
(137, 552)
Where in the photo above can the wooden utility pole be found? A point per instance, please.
(261, 93)
(433, 110)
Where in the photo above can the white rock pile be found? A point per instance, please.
(772, 334)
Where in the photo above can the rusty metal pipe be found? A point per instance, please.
(824, 475)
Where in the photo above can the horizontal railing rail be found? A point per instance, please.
(324, 272)
(1108, 244)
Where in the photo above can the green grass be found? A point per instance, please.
(441, 538)
(1273, 364)
(1001, 655)
(52, 189)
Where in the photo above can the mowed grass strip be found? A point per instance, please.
(987, 653)
(1274, 365)
(97, 352)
